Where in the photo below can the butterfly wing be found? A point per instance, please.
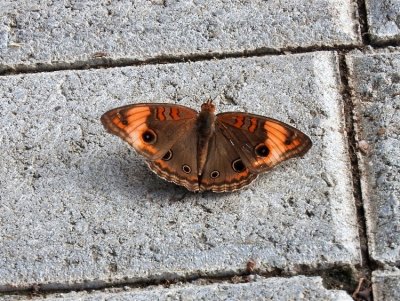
(179, 165)
(224, 169)
(262, 142)
(164, 134)
(151, 129)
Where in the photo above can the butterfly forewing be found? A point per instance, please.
(262, 142)
(150, 128)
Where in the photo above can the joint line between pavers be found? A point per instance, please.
(107, 62)
(363, 21)
(347, 94)
(328, 275)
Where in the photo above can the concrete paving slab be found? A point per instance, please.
(386, 284)
(383, 20)
(54, 32)
(376, 85)
(295, 288)
(79, 207)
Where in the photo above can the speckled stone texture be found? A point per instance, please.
(376, 85)
(79, 206)
(386, 284)
(383, 20)
(57, 33)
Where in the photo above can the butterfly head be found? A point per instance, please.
(208, 106)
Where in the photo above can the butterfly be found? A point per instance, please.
(203, 151)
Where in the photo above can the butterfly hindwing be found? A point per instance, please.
(224, 169)
(179, 164)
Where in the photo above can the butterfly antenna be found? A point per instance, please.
(196, 98)
(218, 95)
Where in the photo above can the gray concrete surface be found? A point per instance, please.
(386, 284)
(79, 209)
(376, 84)
(295, 288)
(383, 20)
(62, 33)
(78, 205)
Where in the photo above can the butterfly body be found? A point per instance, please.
(203, 151)
(205, 124)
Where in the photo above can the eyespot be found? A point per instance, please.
(186, 168)
(167, 156)
(238, 165)
(214, 174)
(262, 150)
(149, 136)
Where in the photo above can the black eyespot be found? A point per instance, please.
(149, 136)
(186, 168)
(167, 156)
(238, 165)
(214, 174)
(262, 150)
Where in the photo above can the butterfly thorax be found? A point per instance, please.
(205, 130)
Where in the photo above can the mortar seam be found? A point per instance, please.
(108, 63)
(367, 263)
(363, 22)
(223, 277)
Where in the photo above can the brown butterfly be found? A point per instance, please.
(203, 151)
